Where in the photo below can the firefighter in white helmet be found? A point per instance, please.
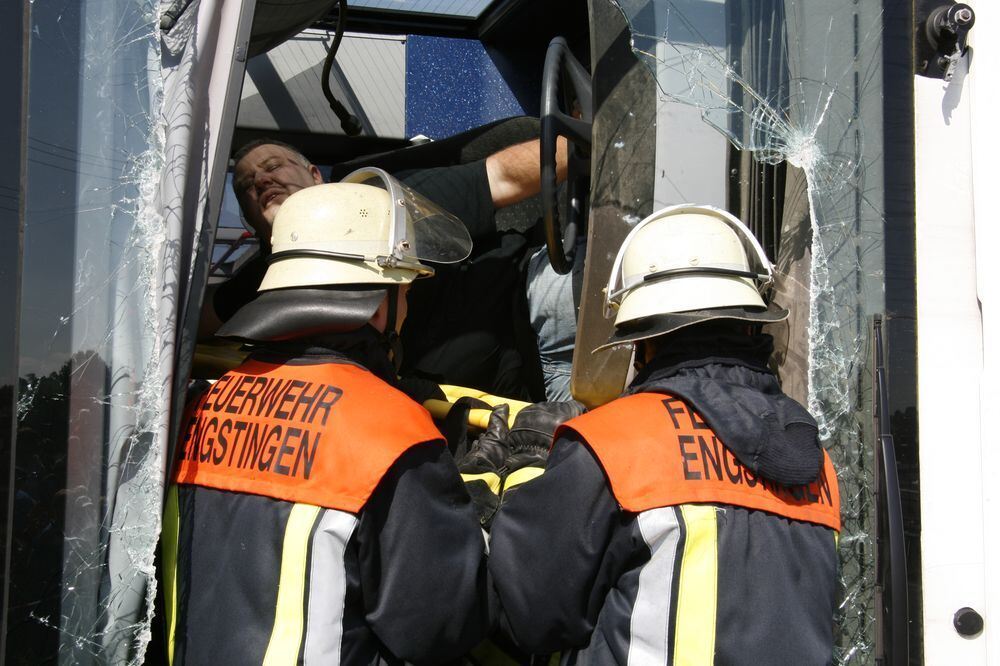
(694, 519)
(316, 514)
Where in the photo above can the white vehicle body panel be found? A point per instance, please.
(956, 179)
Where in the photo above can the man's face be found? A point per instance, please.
(264, 178)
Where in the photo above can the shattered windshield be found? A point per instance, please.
(93, 339)
(789, 93)
(119, 128)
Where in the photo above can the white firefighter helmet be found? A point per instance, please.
(338, 249)
(367, 229)
(683, 265)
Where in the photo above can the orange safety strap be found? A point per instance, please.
(322, 434)
(657, 451)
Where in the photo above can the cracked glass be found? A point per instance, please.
(786, 102)
(93, 389)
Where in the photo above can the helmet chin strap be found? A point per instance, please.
(390, 338)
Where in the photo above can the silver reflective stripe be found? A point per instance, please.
(327, 588)
(649, 631)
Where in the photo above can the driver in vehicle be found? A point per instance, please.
(466, 327)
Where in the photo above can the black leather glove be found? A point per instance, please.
(531, 438)
(482, 467)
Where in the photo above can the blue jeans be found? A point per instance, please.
(553, 301)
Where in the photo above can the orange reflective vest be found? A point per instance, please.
(322, 434)
(657, 451)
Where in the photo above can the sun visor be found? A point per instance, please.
(422, 230)
(275, 21)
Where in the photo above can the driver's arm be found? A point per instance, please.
(514, 173)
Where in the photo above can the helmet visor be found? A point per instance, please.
(421, 230)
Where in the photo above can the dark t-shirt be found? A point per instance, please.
(462, 326)
(240, 289)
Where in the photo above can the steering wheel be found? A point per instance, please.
(562, 66)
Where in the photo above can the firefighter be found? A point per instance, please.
(316, 514)
(694, 519)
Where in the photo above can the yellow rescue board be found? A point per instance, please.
(478, 418)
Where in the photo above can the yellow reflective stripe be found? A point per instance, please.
(289, 620)
(490, 478)
(168, 551)
(522, 475)
(694, 643)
